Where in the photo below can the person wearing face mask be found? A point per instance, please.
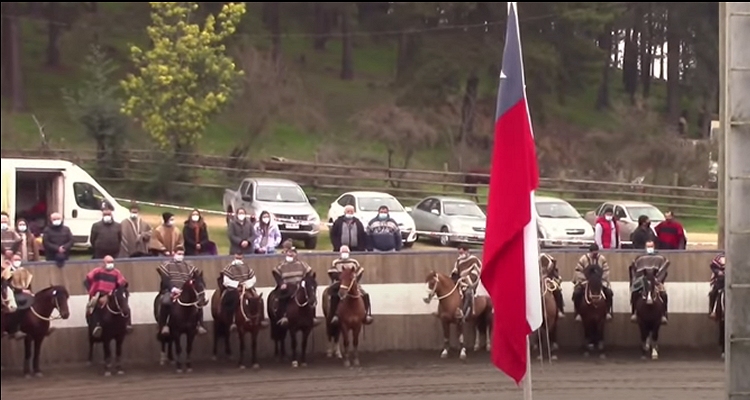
(267, 234)
(643, 233)
(166, 238)
(670, 233)
(57, 240)
(288, 275)
(19, 280)
(174, 273)
(235, 278)
(100, 283)
(106, 236)
(607, 231)
(579, 279)
(241, 234)
(650, 260)
(348, 231)
(136, 234)
(195, 233)
(718, 265)
(10, 240)
(383, 232)
(466, 272)
(29, 248)
(346, 261)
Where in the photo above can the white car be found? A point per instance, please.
(366, 205)
(561, 225)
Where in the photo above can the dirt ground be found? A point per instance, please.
(411, 375)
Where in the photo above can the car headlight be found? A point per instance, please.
(313, 217)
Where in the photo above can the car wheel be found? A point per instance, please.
(445, 240)
(311, 243)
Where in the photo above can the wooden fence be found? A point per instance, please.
(409, 185)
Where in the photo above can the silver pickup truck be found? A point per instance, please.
(284, 199)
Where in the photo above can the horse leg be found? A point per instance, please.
(241, 338)
(355, 344)
(655, 342)
(107, 348)
(645, 339)
(722, 331)
(293, 339)
(344, 335)
(118, 354)
(189, 351)
(37, 353)
(446, 339)
(460, 331)
(600, 339)
(27, 356)
(553, 343)
(177, 343)
(254, 347)
(91, 351)
(305, 337)
(588, 335)
(227, 345)
(216, 340)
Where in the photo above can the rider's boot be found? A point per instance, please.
(283, 321)
(577, 303)
(200, 328)
(129, 324)
(368, 308)
(559, 302)
(333, 308)
(633, 317)
(163, 319)
(466, 309)
(665, 317)
(712, 297)
(96, 331)
(610, 302)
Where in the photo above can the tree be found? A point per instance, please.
(96, 106)
(186, 77)
(12, 46)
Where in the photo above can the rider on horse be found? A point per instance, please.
(19, 279)
(466, 272)
(174, 274)
(650, 260)
(579, 279)
(288, 275)
(338, 265)
(557, 293)
(101, 282)
(235, 278)
(717, 270)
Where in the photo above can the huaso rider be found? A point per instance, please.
(718, 265)
(101, 282)
(337, 266)
(466, 272)
(235, 278)
(174, 273)
(19, 279)
(290, 272)
(579, 279)
(645, 261)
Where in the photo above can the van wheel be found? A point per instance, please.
(311, 243)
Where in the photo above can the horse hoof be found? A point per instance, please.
(189, 370)
(444, 354)
(120, 372)
(643, 358)
(346, 364)
(586, 354)
(179, 371)
(654, 357)
(38, 375)
(476, 349)
(27, 376)
(256, 366)
(602, 356)
(107, 373)
(489, 348)
(89, 363)
(242, 367)
(553, 358)
(329, 354)
(539, 357)
(356, 362)
(339, 355)
(295, 364)
(462, 356)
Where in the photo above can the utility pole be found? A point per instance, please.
(720, 217)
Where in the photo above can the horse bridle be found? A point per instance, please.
(117, 304)
(350, 287)
(56, 307)
(252, 317)
(307, 296)
(433, 291)
(197, 296)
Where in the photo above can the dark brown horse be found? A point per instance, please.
(300, 313)
(183, 320)
(593, 310)
(547, 333)
(35, 323)
(113, 319)
(719, 310)
(351, 312)
(649, 308)
(249, 319)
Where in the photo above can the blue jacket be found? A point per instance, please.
(383, 235)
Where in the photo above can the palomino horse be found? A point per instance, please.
(35, 323)
(649, 308)
(113, 319)
(450, 301)
(593, 310)
(300, 313)
(719, 309)
(183, 320)
(547, 333)
(351, 312)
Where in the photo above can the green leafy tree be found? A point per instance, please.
(96, 106)
(186, 77)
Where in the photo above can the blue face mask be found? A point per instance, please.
(383, 215)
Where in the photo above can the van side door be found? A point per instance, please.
(84, 210)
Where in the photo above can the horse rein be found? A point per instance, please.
(433, 290)
(50, 318)
(351, 287)
(252, 317)
(307, 297)
(119, 308)
(197, 298)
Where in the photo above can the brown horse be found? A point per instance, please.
(113, 319)
(351, 312)
(300, 314)
(649, 308)
(450, 300)
(593, 310)
(332, 330)
(547, 333)
(249, 319)
(35, 323)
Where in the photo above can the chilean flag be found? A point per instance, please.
(510, 273)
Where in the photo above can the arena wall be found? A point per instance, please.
(396, 285)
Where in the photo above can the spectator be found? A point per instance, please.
(267, 234)
(106, 235)
(643, 233)
(241, 234)
(383, 232)
(670, 234)
(348, 231)
(29, 245)
(10, 240)
(57, 240)
(607, 231)
(195, 233)
(136, 234)
(166, 238)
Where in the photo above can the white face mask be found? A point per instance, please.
(16, 263)
(109, 266)
(195, 218)
(4, 226)
(170, 222)
(241, 217)
(650, 250)
(608, 217)
(236, 262)
(344, 256)
(133, 215)
(57, 222)
(289, 258)
(266, 220)
(22, 228)
(179, 257)
(107, 219)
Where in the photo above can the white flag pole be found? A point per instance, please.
(527, 378)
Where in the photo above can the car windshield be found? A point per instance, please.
(462, 208)
(556, 209)
(372, 204)
(280, 194)
(653, 213)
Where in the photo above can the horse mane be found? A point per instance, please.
(53, 288)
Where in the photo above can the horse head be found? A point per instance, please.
(649, 285)
(594, 274)
(548, 266)
(348, 279)
(54, 297)
(194, 289)
(251, 305)
(119, 301)
(308, 290)
(8, 298)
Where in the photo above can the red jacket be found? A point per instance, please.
(671, 235)
(717, 268)
(607, 233)
(101, 280)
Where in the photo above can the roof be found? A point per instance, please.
(450, 198)
(274, 181)
(542, 199)
(36, 163)
(369, 194)
(630, 203)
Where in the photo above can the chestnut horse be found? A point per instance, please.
(547, 333)
(593, 310)
(249, 319)
(114, 323)
(449, 302)
(649, 308)
(351, 312)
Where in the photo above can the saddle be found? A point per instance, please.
(24, 301)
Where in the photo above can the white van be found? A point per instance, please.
(34, 188)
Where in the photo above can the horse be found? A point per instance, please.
(249, 319)
(332, 330)
(35, 323)
(8, 304)
(221, 325)
(114, 323)
(449, 302)
(719, 309)
(593, 310)
(183, 320)
(300, 313)
(352, 313)
(549, 273)
(649, 308)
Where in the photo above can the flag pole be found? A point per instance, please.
(527, 378)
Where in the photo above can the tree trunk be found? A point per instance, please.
(322, 26)
(673, 65)
(272, 19)
(605, 43)
(647, 40)
(404, 54)
(5, 56)
(17, 95)
(347, 48)
(468, 109)
(54, 30)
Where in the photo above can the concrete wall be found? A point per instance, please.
(396, 285)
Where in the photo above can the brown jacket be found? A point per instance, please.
(166, 239)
